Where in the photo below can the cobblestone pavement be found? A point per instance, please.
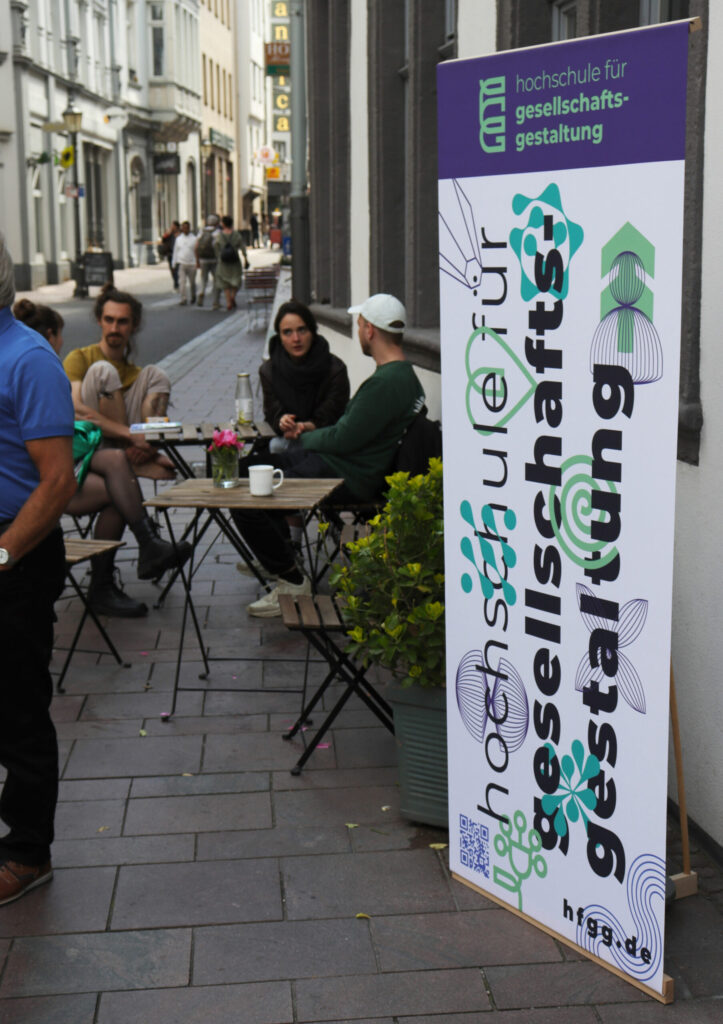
(197, 881)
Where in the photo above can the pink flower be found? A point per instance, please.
(225, 439)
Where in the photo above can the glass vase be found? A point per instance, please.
(224, 467)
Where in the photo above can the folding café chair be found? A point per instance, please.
(319, 619)
(79, 550)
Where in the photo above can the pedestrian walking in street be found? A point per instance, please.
(184, 257)
(254, 221)
(107, 487)
(165, 249)
(206, 258)
(229, 269)
(36, 483)
(111, 391)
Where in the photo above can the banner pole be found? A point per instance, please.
(686, 883)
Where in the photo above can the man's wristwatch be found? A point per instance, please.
(6, 558)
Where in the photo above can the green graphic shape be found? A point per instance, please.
(492, 559)
(522, 853)
(573, 798)
(526, 242)
(480, 379)
(627, 241)
(573, 530)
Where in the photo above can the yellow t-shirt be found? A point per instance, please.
(77, 363)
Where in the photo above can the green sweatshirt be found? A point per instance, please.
(360, 446)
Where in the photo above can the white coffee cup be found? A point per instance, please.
(262, 480)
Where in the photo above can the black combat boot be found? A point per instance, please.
(106, 596)
(155, 555)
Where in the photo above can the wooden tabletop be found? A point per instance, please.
(200, 493)
(202, 433)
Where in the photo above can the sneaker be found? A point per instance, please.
(245, 570)
(267, 607)
(17, 879)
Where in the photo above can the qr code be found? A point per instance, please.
(474, 845)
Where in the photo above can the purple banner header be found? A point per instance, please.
(602, 100)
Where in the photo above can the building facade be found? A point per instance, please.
(219, 192)
(373, 200)
(132, 69)
(252, 134)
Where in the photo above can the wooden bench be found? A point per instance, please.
(320, 621)
(77, 550)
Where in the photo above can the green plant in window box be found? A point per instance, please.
(393, 587)
(393, 584)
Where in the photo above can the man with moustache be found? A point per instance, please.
(111, 391)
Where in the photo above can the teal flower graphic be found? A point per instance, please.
(572, 800)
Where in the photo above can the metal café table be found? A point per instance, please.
(213, 504)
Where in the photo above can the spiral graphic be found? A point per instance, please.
(645, 889)
(573, 527)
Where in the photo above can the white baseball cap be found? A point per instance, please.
(384, 311)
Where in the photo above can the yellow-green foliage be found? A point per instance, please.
(393, 585)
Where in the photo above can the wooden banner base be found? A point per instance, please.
(686, 884)
(666, 996)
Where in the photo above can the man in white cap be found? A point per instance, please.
(359, 447)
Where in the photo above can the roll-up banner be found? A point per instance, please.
(560, 234)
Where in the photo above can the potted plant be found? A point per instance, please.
(393, 589)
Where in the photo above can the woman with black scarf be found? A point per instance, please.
(304, 385)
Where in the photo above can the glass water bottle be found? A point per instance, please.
(244, 399)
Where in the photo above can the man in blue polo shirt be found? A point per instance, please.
(36, 483)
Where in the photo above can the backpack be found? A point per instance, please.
(229, 254)
(421, 442)
(205, 245)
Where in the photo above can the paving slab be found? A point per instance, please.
(698, 1011)
(111, 758)
(280, 841)
(74, 900)
(404, 994)
(328, 778)
(255, 752)
(76, 818)
(338, 806)
(49, 1010)
(249, 1004)
(302, 949)
(172, 895)
(188, 784)
(117, 729)
(149, 704)
(94, 789)
(475, 938)
(193, 725)
(557, 984)
(212, 813)
(123, 850)
(334, 885)
(102, 962)
(66, 708)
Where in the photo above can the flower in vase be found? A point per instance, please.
(225, 439)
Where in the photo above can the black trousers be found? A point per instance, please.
(267, 533)
(28, 744)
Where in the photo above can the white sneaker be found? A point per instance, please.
(268, 606)
(245, 570)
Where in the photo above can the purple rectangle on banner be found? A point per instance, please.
(611, 99)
